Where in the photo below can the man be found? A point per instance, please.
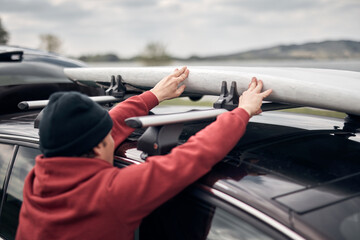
(74, 192)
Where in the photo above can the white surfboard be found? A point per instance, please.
(321, 88)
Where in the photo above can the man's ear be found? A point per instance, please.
(98, 149)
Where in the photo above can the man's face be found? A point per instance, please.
(108, 150)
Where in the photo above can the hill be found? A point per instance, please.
(343, 49)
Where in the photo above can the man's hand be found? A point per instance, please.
(169, 87)
(251, 99)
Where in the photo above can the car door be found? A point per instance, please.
(198, 214)
(16, 160)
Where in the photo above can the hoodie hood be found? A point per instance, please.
(58, 175)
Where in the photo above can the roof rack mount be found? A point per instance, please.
(115, 93)
(164, 130)
(230, 100)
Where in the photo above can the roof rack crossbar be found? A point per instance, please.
(27, 105)
(166, 119)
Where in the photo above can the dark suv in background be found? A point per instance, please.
(27, 74)
(291, 176)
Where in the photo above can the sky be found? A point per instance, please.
(184, 27)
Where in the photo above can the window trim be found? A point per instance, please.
(19, 140)
(7, 177)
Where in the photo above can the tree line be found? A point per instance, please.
(48, 42)
(4, 35)
(154, 53)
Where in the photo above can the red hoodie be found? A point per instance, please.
(87, 198)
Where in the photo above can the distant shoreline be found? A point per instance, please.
(338, 64)
(326, 50)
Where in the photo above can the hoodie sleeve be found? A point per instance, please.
(139, 105)
(139, 189)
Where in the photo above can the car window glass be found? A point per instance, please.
(6, 152)
(186, 217)
(227, 226)
(337, 221)
(350, 226)
(24, 161)
(312, 159)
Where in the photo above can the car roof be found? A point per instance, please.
(283, 168)
(19, 124)
(287, 165)
(29, 54)
(20, 66)
(28, 74)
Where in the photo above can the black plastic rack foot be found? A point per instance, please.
(163, 131)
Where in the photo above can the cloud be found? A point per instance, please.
(271, 6)
(44, 10)
(187, 27)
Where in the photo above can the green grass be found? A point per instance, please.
(187, 102)
(302, 110)
(314, 111)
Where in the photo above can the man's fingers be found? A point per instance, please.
(183, 76)
(180, 71)
(180, 90)
(266, 93)
(176, 73)
(252, 84)
(259, 86)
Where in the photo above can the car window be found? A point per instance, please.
(186, 217)
(227, 226)
(24, 161)
(313, 159)
(338, 221)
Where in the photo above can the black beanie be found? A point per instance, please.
(72, 124)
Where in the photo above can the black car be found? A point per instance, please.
(28, 74)
(291, 176)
